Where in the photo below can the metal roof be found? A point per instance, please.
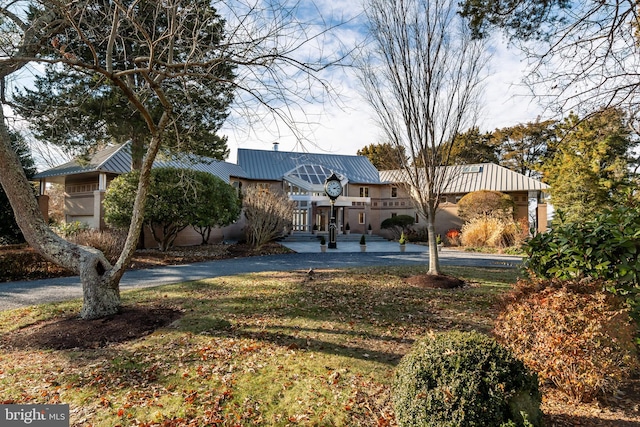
(114, 159)
(476, 177)
(117, 159)
(271, 165)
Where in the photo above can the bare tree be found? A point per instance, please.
(583, 55)
(422, 77)
(153, 82)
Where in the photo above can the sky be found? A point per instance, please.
(345, 126)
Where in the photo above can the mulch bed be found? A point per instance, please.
(73, 332)
(435, 281)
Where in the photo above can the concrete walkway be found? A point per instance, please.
(353, 246)
(21, 294)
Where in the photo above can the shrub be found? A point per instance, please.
(453, 236)
(177, 198)
(71, 229)
(417, 234)
(27, 264)
(607, 247)
(402, 240)
(484, 203)
(573, 334)
(463, 378)
(491, 231)
(110, 242)
(362, 240)
(397, 224)
(268, 213)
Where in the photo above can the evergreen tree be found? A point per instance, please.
(474, 147)
(589, 168)
(78, 110)
(384, 156)
(523, 147)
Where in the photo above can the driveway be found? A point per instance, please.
(21, 294)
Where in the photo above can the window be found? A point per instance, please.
(472, 169)
(393, 215)
(394, 191)
(417, 217)
(364, 191)
(361, 217)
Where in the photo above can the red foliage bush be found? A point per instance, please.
(575, 335)
(453, 236)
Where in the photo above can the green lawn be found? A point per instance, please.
(257, 349)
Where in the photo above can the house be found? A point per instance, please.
(302, 176)
(85, 182)
(369, 196)
(528, 194)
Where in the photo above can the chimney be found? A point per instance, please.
(275, 146)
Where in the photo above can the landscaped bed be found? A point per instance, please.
(280, 348)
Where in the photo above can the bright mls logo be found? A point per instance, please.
(34, 415)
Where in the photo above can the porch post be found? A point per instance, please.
(98, 198)
(532, 211)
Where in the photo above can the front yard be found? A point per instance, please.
(280, 348)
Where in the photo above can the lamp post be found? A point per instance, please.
(332, 227)
(333, 188)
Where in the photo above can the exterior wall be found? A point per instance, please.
(447, 214)
(542, 218)
(79, 202)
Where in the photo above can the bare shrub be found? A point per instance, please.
(574, 334)
(268, 214)
(27, 264)
(110, 241)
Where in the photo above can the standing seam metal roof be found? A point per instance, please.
(482, 176)
(117, 159)
(271, 165)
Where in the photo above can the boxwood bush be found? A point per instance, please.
(464, 379)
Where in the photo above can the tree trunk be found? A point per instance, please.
(101, 294)
(100, 280)
(434, 260)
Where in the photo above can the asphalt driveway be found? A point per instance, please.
(21, 294)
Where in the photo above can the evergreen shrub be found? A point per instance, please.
(605, 247)
(464, 379)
